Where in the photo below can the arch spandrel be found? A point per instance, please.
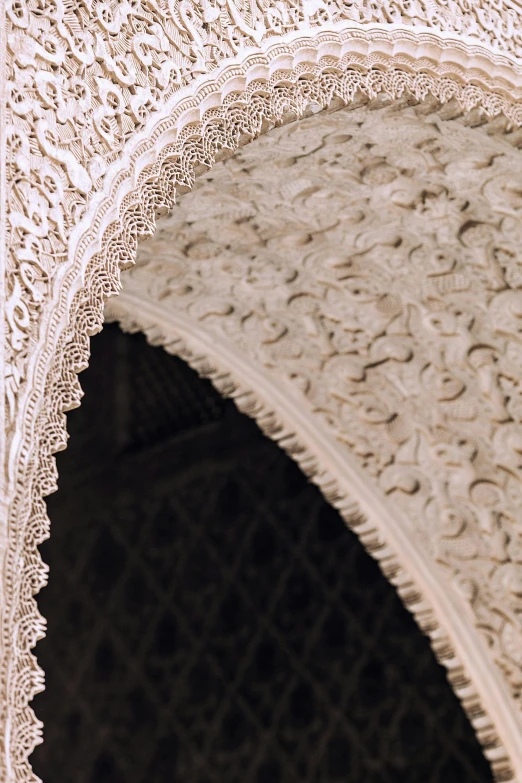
(109, 111)
(353, 281)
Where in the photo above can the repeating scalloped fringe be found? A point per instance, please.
(242, 116)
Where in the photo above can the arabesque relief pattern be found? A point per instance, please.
(85, 78)
(99, 139)
(383, 282)
(68, 318)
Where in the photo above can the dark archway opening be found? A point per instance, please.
(211, 619)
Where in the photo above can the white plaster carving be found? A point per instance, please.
(382, 281)
(113, 107)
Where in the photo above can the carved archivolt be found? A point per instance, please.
(113, 108)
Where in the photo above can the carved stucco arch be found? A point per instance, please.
(72, 216)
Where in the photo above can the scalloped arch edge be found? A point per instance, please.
(352, 61)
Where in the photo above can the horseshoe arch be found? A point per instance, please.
(195, 82)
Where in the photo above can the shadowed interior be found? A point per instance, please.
(211, 619)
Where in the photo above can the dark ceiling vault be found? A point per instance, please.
(211, 619)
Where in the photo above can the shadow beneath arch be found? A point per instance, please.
(211, 618)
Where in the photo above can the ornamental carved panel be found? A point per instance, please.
(111, 110)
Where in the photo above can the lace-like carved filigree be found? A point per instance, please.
(97, 132)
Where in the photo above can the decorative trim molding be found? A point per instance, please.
(79, 201)
(3, 253)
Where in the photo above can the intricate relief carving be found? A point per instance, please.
(100, 135)
(381, 280)
(84, 79)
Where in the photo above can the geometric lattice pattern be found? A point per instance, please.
(211, 619)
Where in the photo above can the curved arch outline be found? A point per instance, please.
(284, 417)
(326, 69)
